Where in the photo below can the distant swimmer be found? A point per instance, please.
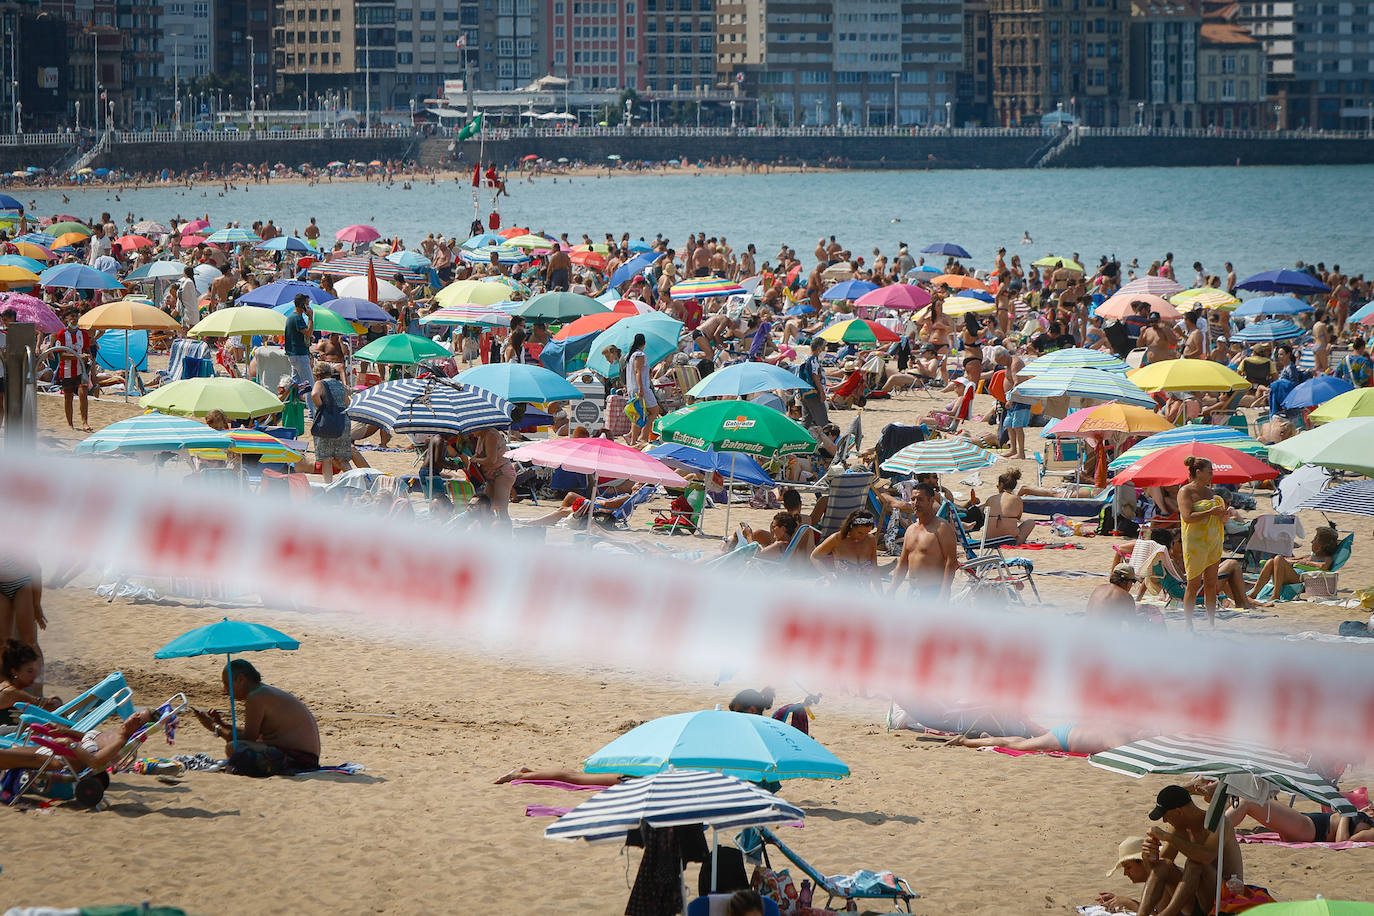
(1025, 238)
(895, 219)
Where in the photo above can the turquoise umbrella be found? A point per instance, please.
(1226, 436)
(152, 432)
(1076, 358)
(521, 383)
(750, 747)
(1089, 384)
(660, 342)
(233, 236)
(227, 638)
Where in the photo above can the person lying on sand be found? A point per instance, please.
(1291, 825)
(1131, 860)
(1071, 738)
(277, 736)
(572, 777)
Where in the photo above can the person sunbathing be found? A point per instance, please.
(1071, 738)
(1283, 572)
(20, 668)
(93, 750)
(1291, 825)
(574, 505)
(854, 548)
(571, 777)
(1165, 572)
(1004, 510)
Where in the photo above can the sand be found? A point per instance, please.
(424, 830)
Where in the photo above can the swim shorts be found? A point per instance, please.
(262, 761)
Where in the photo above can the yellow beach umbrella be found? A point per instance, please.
(30, 250)
(1188, 375)
(1204, 297)
(12, 275)
(1357, 403)
(472, 292)
(237, 398)
(127, 315)
(956, 306)
(1052, 261)
(240, 321)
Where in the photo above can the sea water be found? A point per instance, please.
(1256, 217)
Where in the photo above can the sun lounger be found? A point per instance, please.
(85, 712)
(986, 567)
(746, 551)
(898, 892)
(847, 492)
(1072, 506)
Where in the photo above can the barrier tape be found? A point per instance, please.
(574, 606)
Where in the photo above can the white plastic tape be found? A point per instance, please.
(576, 606)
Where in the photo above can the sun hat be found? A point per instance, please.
(1130, 849)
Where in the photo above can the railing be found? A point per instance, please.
(244, 135)
(1208, 133)
(51, 138)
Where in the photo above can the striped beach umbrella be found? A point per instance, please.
(429, 406)
(355, 265)
(705, 288)
(37, 238)
(1089, 384)
(505, 254)
(1270, 330)
(676, 798)
(939, 456)
(459, 315)
(152, 432)
(1354, 498)
(859, 331)
(1206, 297)
(1076, 358)
(1154, 286)
(1213, 435)
(1272, 305)
(1194, 755)
(269, 449)
(233, 236)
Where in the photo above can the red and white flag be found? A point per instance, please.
(462, 41)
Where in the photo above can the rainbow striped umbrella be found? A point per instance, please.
(269, 449)
(1155, 286)
(939, 456)
(467, 315)
(860, 331)
(705, 288)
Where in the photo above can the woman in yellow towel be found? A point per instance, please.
(1203, 515)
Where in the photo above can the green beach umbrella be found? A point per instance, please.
(401, 349)
(1342, 445)
(63, 228)
(559, 307)
(1318, 907)
(237, 398)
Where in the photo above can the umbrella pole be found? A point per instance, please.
(233, 715)
(127, 367)
(728, 487)
(715, 855)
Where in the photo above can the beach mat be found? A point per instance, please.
(545, 811)
(1273, 839)
(556, 784)
(1014, 753)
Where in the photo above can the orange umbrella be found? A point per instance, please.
(959, 281)
(1119, 306)
(30, 250)
(512, 232)
(589, 324)
(69, 238)
(135, 242)
(588, 259)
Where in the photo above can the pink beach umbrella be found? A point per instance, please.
(603, 457)
(29, 309)
(1119, 306)
(1155, 286)
(896, 296)
(357, 234)
(195, 227)
(631, 307)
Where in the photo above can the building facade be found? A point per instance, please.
(1231, 78)
(243, 41)
(1164, 59)
(35, 68)
(595, 44)
(187, 55)
(1050, 56)
(973, 86)
(679, 46)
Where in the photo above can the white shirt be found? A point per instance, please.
(1275, 534)
(100, 246)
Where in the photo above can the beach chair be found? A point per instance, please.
(847, 492)
(184, 349)
(735, 558)
(671, 521)
(898, 891)
(81, 717)
(986, 567)
(1293, 591)
(1066, 462)
(620, 516)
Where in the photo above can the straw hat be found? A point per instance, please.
(1130, 849)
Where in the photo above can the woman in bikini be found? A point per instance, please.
(20, 669)
(1004, 510)
(852, 549)
(490, 457)
(1283, 571)
(1291, 825)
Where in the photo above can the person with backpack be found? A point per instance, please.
(330, 429)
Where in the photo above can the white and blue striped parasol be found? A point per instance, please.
(1271, 329)
(1077, 358)
(1354, 498)
(431, 407)
(939, 456)
(1089, 384)
(673, 798)
(233, 235)
(505, 254)
(153, 432)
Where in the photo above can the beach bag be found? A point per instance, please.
(1238, 900)
(293, 414)
(330, 422)
(776, 886)
(635, 412)
(1319, 584)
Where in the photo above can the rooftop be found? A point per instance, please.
(1223, 33)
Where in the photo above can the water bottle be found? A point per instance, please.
(805, 894)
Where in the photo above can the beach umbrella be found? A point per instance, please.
(69, 226)
(357, 288)
(1318, 907)
(633, 268)
(151, 227)
(127, 315)
(948, 249)
(746, 378)
(194, 227)
(1295, 489)
(9, 203)
(705, 288)
(352, 308)
(603, 458)
(33, 310)
(902, 296)
(1165, 467)
(801, 308)
(732, 465)
(520, 383)
(597, 248)
(676, 798)
(357, 234)
(233, 236)
(1204, 297)
(284, 291)
(588, 259)
(1315, 391)
(558, 306)
(429, 407)
(1076, 358)
(240, 321)
(1052, 261)
(43, 239)
(412, 259)
(978, 294)
(1357, 403)
(1111, 419)
(1153, 286)
(1196, 755)
(460, 315)
(1284, 281)
(134, 242)
(1089, 384)
(1354, 498)
(1119, 306)
(158, 270)
(401, 349)
(152, 432)
(660, 342)
(589, 324)
(1272, 305)
(939, 456)
(1363, 315)
(237, 398)
(77, 276)
(629, 307)
(324, 319)
(227, 638)
(1341, 445)
(958, 306)
(746, 746)
(860, 331)
(505, 254)
(1188, 375)
(356, 265)
(959, 281)
(269, 449)
(473, 292)
(482, 240)
(1269, 330)
(285, 243)
(1228, 436)
(848, 289)
(33, 250)
(32, 265)
(530, 242)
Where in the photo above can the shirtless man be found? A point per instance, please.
(930, 554)
(221, 289)
(558, 271)
(701, 260)
(277, 735)
(312, 232)
(1111, 601)
(1158, 340)
(1185, 833)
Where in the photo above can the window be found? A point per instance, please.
(404, 57)
(403, 15)
(705, 44)
(404, 36)
(651, 45)
(334, 17)
(426, 15)
(337, 38)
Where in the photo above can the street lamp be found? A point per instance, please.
(819, 100)
(895, 77)
(252, 80)
(839, 114)
(1277, 124)
(732, 114)
(949, 116)
(1140, 115)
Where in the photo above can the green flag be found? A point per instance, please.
(470, 128)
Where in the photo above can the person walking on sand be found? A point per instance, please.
(930, 554)
(1203, 516)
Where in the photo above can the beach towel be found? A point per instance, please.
(545, 811)
(555, 784)
(1013, 753)
(1273, 839)
(1040, 545)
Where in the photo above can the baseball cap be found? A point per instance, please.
(1124, 569)
(1131, 848)
(1169, 798)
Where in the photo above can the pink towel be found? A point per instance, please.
(1011, 753)
(555, 784)
(1272, 839)
(544, 811)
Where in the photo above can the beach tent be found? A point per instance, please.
(112, 347)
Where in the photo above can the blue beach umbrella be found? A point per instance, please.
(924, 269)
(1284, 281)
(227, 638)
(948, 249)
(848, 289)
(1316, 391)
(633, 267)
(744, 379)
(351, 308)
(1271, 305)
(977, 294)
(285, 243)
(735, 466)
(282, 292)
(9, 203)
(77, 276)
(753, 748)
(37, 238)
(409, 259)
(152, 432)
(233, 236)
(801, 308)
(1091, 384)
(158, 270)
(520, 383)
(660, 342)
(18, 260)
(483, 240)
(1270, 329)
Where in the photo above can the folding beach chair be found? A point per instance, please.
(84, 713)
(620, 515)
(671, 521)
(988, 570)
(895, 891)
(847, 492)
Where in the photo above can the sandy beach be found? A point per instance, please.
(425, 830)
